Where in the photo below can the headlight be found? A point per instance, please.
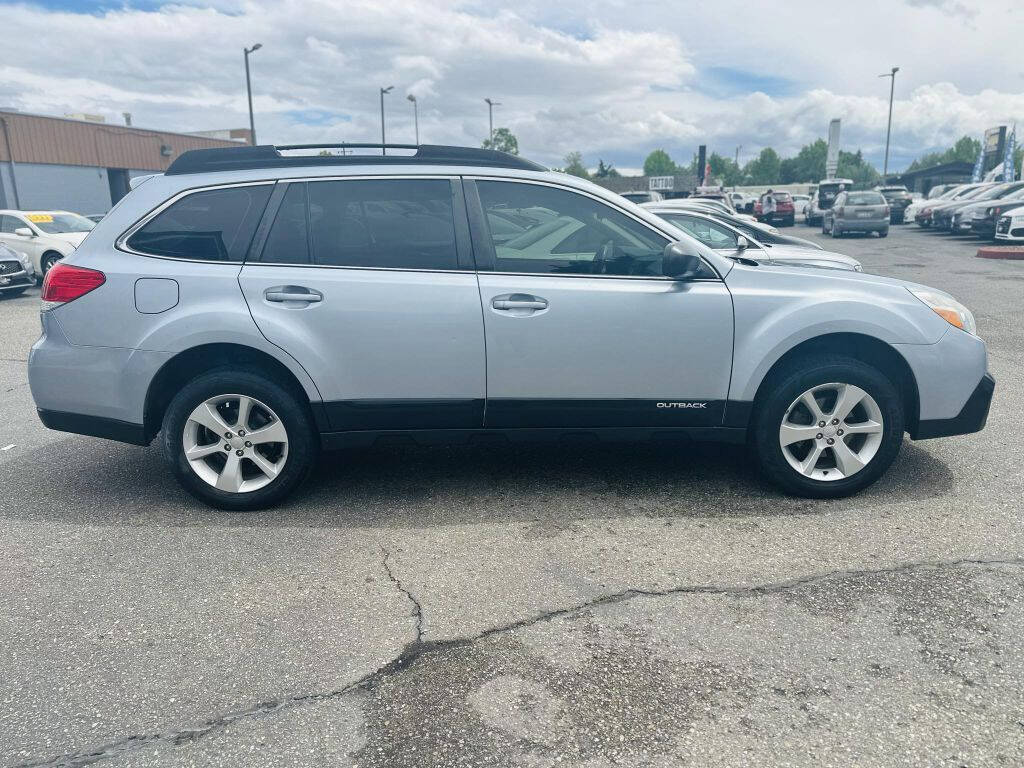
(948, 308)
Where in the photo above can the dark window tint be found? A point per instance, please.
(215, 225)
(288, 239)
(396, 223)
(539, 229)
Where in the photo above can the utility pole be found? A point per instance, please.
(248, 90)
(415, 116)
(490, 115)
(383, 140)
(888, 131)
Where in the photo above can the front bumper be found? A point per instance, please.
(984, 227)
(14, 281)
(972, 417)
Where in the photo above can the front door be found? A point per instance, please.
(582, 328)
(368, 283)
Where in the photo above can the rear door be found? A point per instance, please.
(368, 283)
(582, 328)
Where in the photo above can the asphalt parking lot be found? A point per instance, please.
(523, 605)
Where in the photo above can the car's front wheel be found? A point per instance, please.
(827, 427)
(238, 440)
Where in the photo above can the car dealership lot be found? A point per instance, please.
(523, 605)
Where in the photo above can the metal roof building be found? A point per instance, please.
(83, 165)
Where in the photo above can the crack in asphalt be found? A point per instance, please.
(417, 609)
(419, 647)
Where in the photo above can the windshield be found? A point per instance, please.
(60, 223)
(990, 193)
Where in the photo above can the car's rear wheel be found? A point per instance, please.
(238, 440)
(827, 427)
(12, 293)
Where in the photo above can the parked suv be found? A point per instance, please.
(899, 199)
(251, 307)
(857, 212)
(784, 214)
(822, 199)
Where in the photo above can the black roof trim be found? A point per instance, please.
(269, 156)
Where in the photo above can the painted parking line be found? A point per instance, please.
(7, 447)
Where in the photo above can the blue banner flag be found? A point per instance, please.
(978, 165)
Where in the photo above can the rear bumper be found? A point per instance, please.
(94, 426)
(972, 416)
(862, 225)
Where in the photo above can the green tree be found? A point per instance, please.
(574, 165)
(605, 171)
(852, 165)
(808, 165)
(723, 170)
(503, 141)
(658, 163)
(764, 169)
(965, 150)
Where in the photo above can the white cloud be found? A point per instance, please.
(611, 78)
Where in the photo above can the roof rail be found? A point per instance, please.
(270, 156)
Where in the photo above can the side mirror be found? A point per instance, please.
(679, 261)
(24, 232)
(742, 243)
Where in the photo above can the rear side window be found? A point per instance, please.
(391, 223)
(212, 225)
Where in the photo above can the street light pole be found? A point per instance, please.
(490, 115)
(382, 139)
(248, 90)
(888, 131)
(415, 116)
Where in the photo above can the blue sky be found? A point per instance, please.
(609, 78)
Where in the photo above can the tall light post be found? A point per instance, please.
(490, 116)
(888, 131)
(383, 91)
(248, 90)
(415, 116)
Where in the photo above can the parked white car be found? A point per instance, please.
(1010, 226)
(46, 236)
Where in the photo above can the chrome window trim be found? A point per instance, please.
(121, 243)
(613, 206)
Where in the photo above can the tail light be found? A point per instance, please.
(64, 283)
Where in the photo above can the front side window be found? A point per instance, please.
(211, 225)
(546, 230)
(391, 223)
(10, 223)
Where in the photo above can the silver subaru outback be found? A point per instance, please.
(254, 305)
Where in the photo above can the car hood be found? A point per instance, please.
(792, 255)
(75, 238)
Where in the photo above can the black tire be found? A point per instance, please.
(883, 232)
(786, 385)
(12, 294)
(303, 442)
(46, 263)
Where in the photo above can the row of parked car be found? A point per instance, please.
(31, 242)
(988, 210)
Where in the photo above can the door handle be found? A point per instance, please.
(292, 293)
(519, 301)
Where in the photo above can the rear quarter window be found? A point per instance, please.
(208, 225)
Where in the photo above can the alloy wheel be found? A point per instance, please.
(235, 443)
(832, 431)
